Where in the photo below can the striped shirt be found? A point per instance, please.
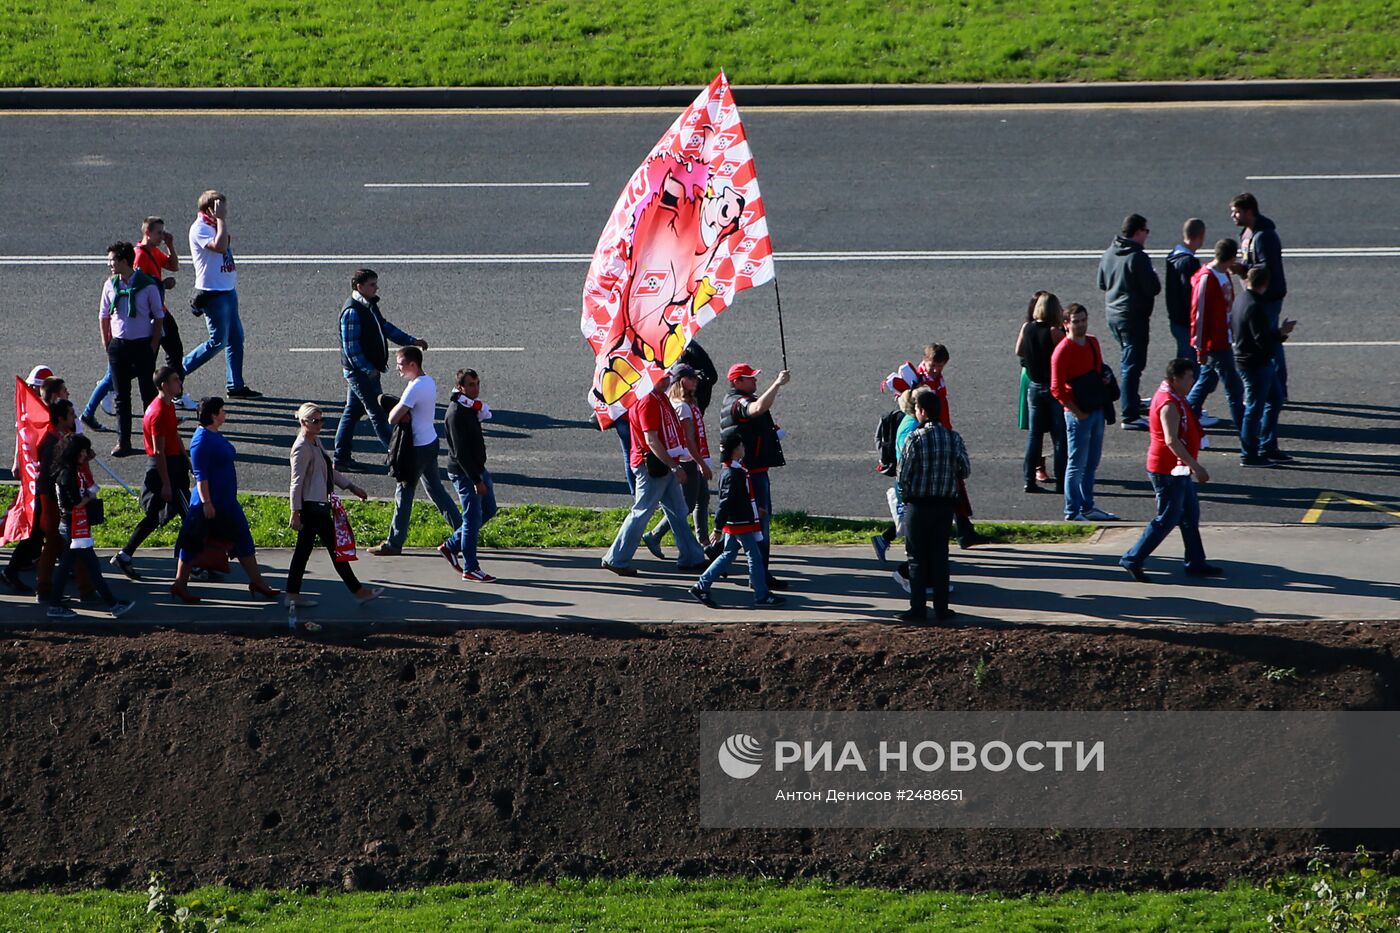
(931, 463)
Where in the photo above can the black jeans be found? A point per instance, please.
(158, 511)
(317, 523)
(1046, 417)
(172, 345)
(927, 523)
(127, 359)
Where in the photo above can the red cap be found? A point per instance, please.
(38, 374)
(742, 371)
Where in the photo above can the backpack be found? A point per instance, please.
(885, 433)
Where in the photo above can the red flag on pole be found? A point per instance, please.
(686, 235)
(31, 422)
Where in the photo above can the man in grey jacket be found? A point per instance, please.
(1130, 284)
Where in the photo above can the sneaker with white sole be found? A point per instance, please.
(478, 576)
(880, 545)
(109, 403)
(1137, 424)
(121, 607)
(1097, 514)
(123, 562)
(901, 579)
(188, 402)
(1207, 420)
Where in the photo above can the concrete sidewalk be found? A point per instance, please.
(1272, 573)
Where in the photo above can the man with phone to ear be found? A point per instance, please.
(216, 295)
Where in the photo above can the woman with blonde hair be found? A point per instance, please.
(312, 476)
(1034, 345)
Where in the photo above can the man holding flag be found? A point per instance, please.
(686, 235)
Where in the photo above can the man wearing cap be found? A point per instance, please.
(657, 444)
(751, 415)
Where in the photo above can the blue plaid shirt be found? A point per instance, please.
(350, 339)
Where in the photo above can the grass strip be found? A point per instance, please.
(524, 526)
(666, 903)
(321, 43)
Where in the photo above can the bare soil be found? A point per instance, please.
(410, 759)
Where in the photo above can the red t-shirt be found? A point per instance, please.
(1069, 362)
(160, 420)
(152, 262)
(653, 413)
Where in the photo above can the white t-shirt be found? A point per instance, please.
(420, 396)
(212, 272)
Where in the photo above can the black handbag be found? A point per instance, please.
(95, 513)
(656, 466)
(1092, 394)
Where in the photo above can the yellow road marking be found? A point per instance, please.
(1314, 514)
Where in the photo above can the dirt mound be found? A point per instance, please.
(399, 759)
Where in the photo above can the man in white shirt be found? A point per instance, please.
(216, 294)
(417, 413)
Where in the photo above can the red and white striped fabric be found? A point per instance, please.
(686, 235)
(903, 379)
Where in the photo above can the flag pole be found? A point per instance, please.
(108, 470)
(782, 340)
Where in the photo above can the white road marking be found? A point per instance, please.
(1342, 343)
(971, 255)
(1313, 177)
(478, 184)
(430, 349)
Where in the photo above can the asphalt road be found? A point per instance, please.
(1003, 184)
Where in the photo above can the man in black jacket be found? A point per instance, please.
(364, 357)
(1257, 339)
(751, 416)
(1130, 283)
(466, 469)
(1260, 246)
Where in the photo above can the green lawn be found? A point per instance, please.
(526, 525)
(264, 43)
(666, 904)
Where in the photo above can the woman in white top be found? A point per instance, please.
(695, 482)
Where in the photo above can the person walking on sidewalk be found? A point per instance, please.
(696, 472)
(76, 492)
(1130, 284)
(466, 470)
(312, 520)
(130, 314)
(165, 494)
(751, 414)
(214, 507)
(1173, 445)
(1257, 340)
(416, 412)
(656, 447)
(933, 461)
(739, 520)
(216, 294)
(364, 357)
(1034, 345)
(1212, 302)
(1078, 382)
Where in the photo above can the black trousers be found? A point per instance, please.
(927, 523)
(128, 359)
(316, 523)
(172, 345)
(157, 510)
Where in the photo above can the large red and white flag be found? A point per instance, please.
(686, 235)
(31, 422)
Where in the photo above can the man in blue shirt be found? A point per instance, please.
(364, 357)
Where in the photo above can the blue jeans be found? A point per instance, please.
(1216, 368)
(361, 398)
(655, 492)
(1085, 442)
(225, 333)
(1184, 350)
(753, 551)
(1131, 335)
(1177, 507)
(430, 476)
(99, 392)
(763, 494)
(1046, 417)
(1263, 397)
(477, 510)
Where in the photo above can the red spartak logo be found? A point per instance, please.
(651, 282)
